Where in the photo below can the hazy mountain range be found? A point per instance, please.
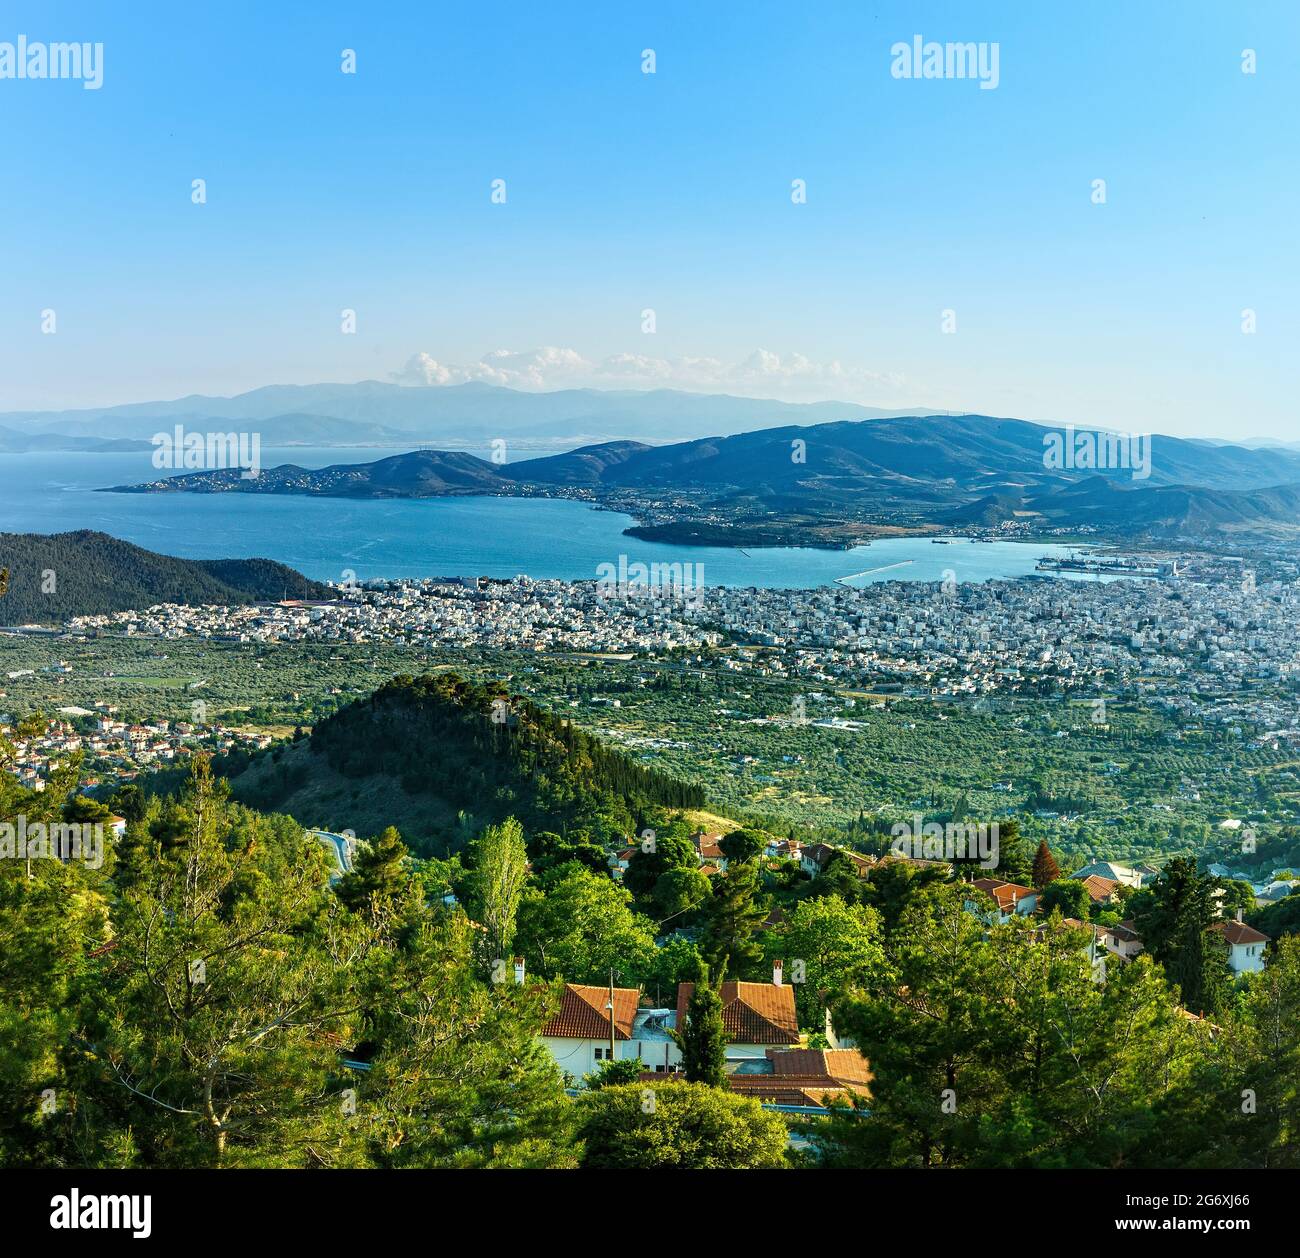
(12, 442)
(372, 412)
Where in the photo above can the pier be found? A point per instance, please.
(867, 572)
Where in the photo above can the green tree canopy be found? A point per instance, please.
(678, 1126)
(578, 925)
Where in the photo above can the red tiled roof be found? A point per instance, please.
(1099, 888)
(842, 1065)
(583, 1016)
(752, 1013)
(787, 1089)
(1006, 894)
(862, 863)
(1240, 933)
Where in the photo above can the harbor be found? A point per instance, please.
(1116, 566)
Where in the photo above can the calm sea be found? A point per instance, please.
(327, 538)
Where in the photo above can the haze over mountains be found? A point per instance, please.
(12, 442)
(372, 412)
(646, 451)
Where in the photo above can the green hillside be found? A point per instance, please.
(94, 573)
(440, 758)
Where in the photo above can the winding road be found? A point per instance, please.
(341, 846)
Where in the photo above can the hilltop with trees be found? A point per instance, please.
(441, 758)
(54, 577)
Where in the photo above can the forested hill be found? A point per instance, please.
(93, 573)
(440, 758)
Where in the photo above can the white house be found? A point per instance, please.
(1011, 899)
(619, 861)
(1123, 940)
(814, 858)
(578, 1036)
(708, 850)
(1245, 945)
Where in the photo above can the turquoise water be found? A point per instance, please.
(500, 537)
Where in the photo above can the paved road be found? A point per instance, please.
(341, 846)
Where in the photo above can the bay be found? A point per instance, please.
(331, 539)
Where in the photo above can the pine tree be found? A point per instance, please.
(732, 916)
(1173, 921)
(377, 877)
(1046, 869)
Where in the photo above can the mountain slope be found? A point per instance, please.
(972, 454)
(1156, 511)
(419, 474)
(94, 574)
(441, 757)
(935, 448)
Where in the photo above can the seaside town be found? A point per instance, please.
(1219, 646)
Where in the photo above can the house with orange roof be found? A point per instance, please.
(783, 849)
(619, 861)
(1245, 945)
(1100, 890)
(756, 1017)
(708, 849)
(578, 1036)
(804, 1076)
(1009, 900)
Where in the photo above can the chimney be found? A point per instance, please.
(1239, 915)
(776, 971)
(519, 970)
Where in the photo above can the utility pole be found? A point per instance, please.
(610, 1007)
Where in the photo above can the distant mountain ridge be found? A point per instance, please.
(94, 574)
(12, 442)
(1156, 511)
(375, 412)
(938, 470)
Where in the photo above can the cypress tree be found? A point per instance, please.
(703, 1039)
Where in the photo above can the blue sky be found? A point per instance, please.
(671, 192)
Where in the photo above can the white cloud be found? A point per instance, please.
(763, 372)
(532, 369)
